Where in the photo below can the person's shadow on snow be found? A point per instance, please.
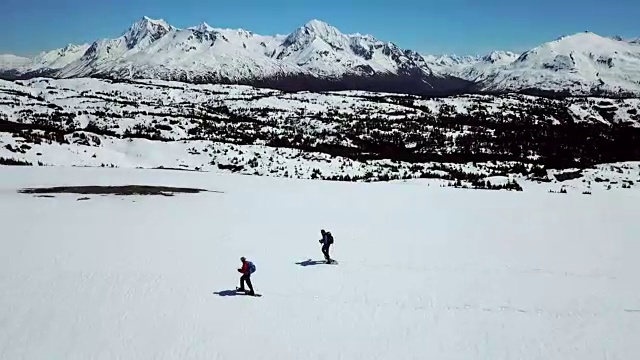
(310, 262)
(227, 293)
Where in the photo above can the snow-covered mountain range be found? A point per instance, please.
(317, 56)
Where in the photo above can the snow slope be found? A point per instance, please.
(424, 272)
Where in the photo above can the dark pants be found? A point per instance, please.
(325, 251)
(247, 278)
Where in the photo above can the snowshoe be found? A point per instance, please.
(247, 292)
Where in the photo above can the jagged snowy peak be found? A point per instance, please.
(154, 49)
(315, 30)
(500, 57)
(421, 63)
(99, 56)
(202, 28)
(85, 59)
(146, 31)
(317, 50)
(263, 45)
(219, 55)
(103, 55)
(323, 49)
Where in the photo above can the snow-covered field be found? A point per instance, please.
(118, 106)
(425, 272)
(149, 124)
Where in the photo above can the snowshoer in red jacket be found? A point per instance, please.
(246, 270)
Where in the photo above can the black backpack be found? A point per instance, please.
(329, 238)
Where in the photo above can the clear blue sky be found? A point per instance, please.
(441, 26)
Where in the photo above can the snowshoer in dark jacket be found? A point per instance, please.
(326, 241)
(246, 270)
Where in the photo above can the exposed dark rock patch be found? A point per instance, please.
(114, 190)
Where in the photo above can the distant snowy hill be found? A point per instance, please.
(447, 64)
(9, 61)
(470, 67)
(580, 64)
(318, 57)
(13, 66)
(584, 63)
(57, 59)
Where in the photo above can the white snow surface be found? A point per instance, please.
(423, 273)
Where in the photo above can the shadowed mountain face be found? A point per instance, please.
(404, 84)
(381, 83)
